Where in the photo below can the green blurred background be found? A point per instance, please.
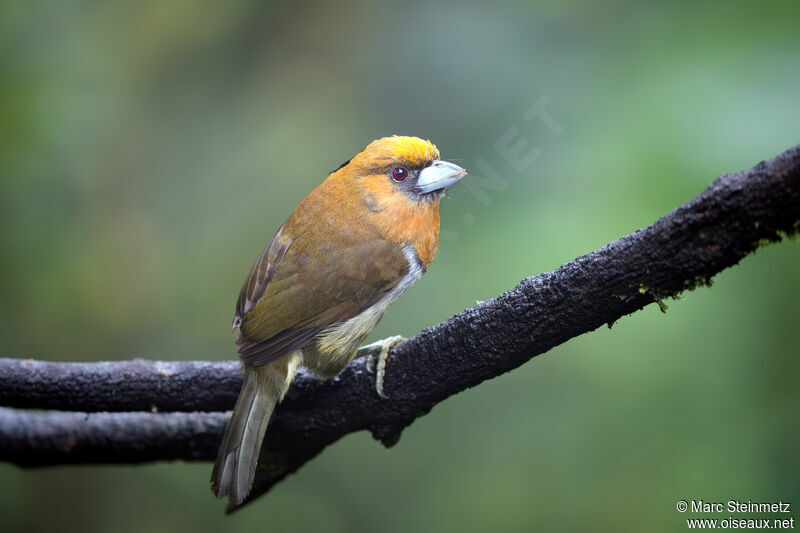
(150, 149)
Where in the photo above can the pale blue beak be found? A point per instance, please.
(438, 175)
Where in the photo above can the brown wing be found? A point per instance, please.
(260, 275)
(316, 279)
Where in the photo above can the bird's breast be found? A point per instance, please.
(403, 220)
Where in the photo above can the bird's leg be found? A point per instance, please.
(379, 353)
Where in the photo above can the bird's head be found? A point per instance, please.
(392, 187)
(409, 165)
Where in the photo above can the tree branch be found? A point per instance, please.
(684, 249)
(137, 385)
(59, 437)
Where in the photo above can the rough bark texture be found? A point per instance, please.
(57, 437)
(684, 249)
(137, 385)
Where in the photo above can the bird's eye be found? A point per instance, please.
(399, 174)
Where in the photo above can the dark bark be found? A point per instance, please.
(58, 437)
(137, 385)
(684, 249)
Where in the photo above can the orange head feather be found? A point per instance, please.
(367, 193)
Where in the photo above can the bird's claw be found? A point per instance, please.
(378, 353)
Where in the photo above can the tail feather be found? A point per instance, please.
(263, 387)
(235, 467)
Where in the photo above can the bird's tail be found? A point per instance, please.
(263, 387)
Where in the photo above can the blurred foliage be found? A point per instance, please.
(149, 150)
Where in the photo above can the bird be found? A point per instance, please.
(351, 247)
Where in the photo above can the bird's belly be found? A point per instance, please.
(337, 345)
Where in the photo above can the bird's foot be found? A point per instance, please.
(378, 353)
